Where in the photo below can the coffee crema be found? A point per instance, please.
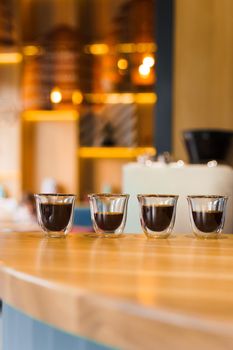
(207, 221)
(108, 221)
(55, 217)
(157, 218)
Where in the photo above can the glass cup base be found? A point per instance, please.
(55, 234)
(109, 235)
(157, 235)
(212, 235)
(112, 235)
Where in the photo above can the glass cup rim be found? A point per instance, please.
(107, 195)
(206, 197)
(54, 195)
(157, 195)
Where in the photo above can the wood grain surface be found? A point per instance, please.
(131, 292)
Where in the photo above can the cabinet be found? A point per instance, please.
(50, 149)
(67, 64)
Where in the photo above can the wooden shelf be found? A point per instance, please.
(122, 97)
(10, 57)
(94, 98)
(114, 152)
(50, 116)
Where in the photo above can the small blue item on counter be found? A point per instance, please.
(82, 216)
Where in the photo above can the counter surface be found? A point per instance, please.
(130, 292)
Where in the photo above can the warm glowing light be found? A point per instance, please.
(122, 63)
(115, 152)
(146, 98)
(126, 98)
(56, 95)
(10, 57)
(99, 49)
(97, 98)
(116, 98)
(126, 47)
(31, 50)
(50, 116)
(144, 70)
(112, 98)
(148, 61)
(141, 47)
(77, 97)
(146, 47)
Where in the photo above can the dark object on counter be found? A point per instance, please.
(108, 140)
(204, 145)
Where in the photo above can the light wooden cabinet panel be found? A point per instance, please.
(203, 67)
(49, 150)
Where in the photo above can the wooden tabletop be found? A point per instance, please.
(130, 292)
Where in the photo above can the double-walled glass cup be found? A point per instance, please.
(55, 213)
(108, 213)
(157, 214)
(207, 215)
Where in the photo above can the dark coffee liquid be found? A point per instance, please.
(55, 217)
(108, 221)
(207, 221)
(157, 217)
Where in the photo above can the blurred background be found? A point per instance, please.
(89, 85)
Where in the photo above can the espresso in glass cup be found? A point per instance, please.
(207, 215)
(55, 213)
(108, 213)
(157, 214)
